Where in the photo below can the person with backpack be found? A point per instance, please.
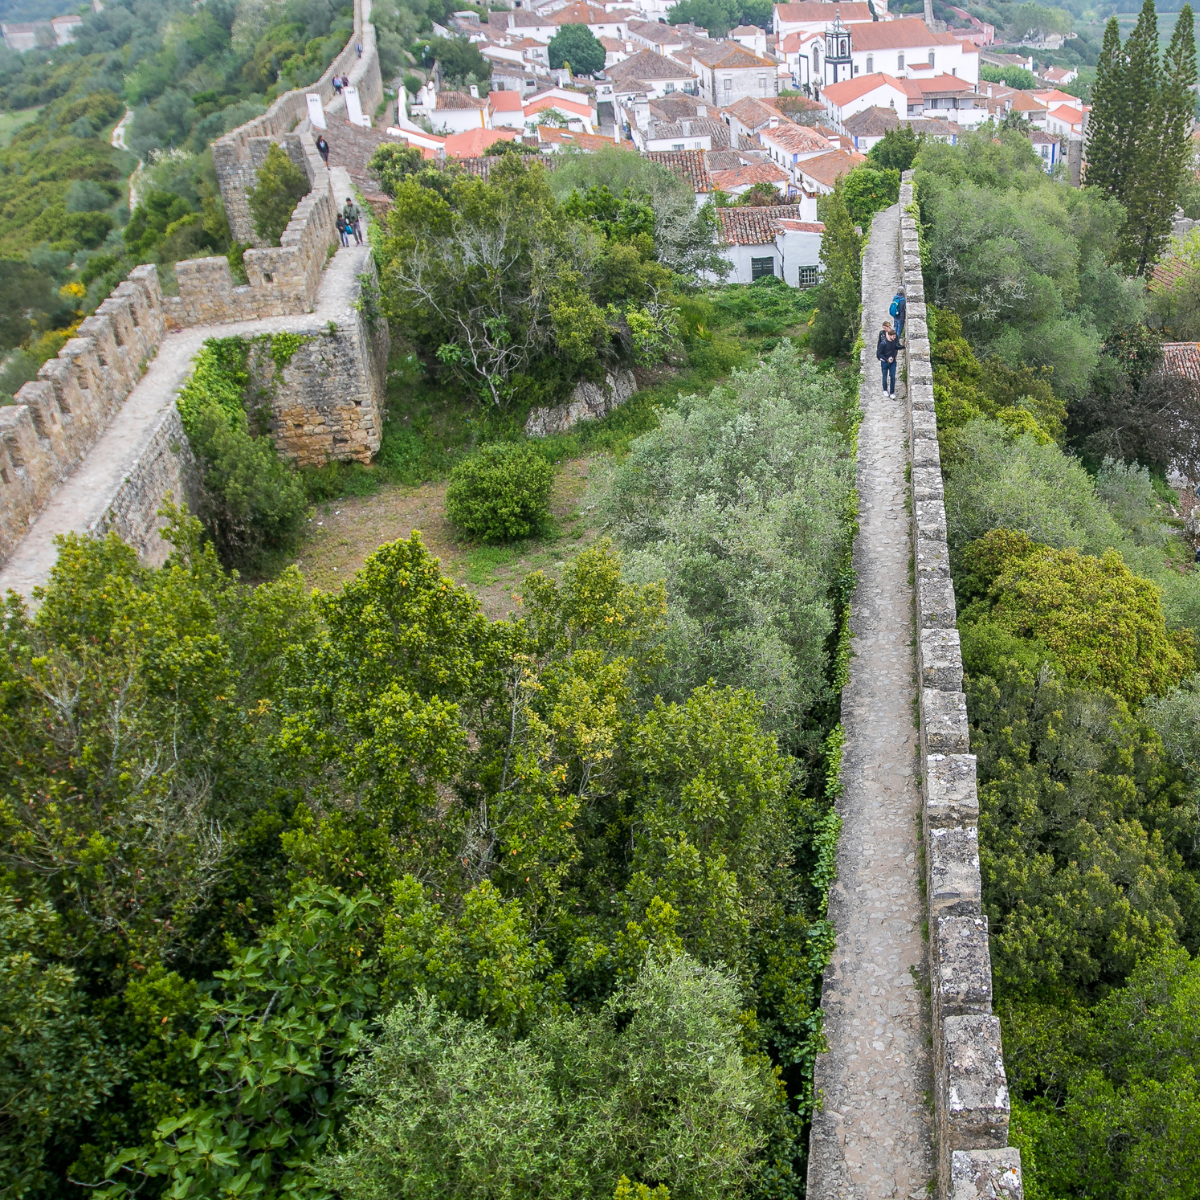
(341, 228)
(887, 350)
(899, 311)
(353, 217)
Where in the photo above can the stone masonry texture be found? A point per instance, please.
(970, 1089)
(872, 1138)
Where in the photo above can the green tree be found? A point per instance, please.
(839, 294)
(578, 46)
(866, 191)
(452, 1110)
(278, 188)
(391, 164)
(460, 59)
(277, 1039)
(1014, 77)
(56, 1066)
(896, 150)
(1139, 144)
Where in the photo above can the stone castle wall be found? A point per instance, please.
(971, 1103)
(330, 404)
(328, 401)
(240, 153)
(58, 416)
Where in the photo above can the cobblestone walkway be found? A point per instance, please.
(873, 1138)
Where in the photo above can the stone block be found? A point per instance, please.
(917, 349)
(954, 884)
(923, 423)
(939, 659)
(975, 1104)
(589, 402)
(944, 728)
(935, 601)
(38, 397)
(962, 983)
(951, 791)
(932, 558)
(925, 452)
(929, 516)
(927, 483)
(986, 1175)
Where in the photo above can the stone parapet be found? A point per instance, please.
(58, 416)
(971, 1103)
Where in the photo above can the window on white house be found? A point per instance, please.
(670, 87)
(677, 146)
(762, 83)
(729, 85)
(809, 277)
(856, 69)
(816, 58)
(953, 70)
(870, 64)
(899, 62)
(931, 58)
(760, 267)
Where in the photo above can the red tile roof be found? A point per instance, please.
(755, 226)
(450, 100)
(860, 85)
(821, 10)
(748, 176)
(506, 101)
(475, 141)
(796, 139)
(689, 165)
(898, 35)
(829, 168)
(1182, 358)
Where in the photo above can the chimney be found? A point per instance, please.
(702, 110)
(772, 122)
(474, 91)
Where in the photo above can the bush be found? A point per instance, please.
(500, 493)
(274, 197)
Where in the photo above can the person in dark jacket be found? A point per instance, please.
(323, 149)
(887, 350)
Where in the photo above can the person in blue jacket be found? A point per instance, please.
(899, 311)
(887, 350)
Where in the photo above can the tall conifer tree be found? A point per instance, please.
(1108, 127)
(1139, 147)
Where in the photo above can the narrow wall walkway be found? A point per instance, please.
(85, 495)
(873, 1138)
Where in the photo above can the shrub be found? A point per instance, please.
(1103, 624)
(275, 195)
(500, 493)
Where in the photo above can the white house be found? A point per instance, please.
(574, 107)
(726, 72)
(791, 145)
(748, 118)
(1059, 76)
(800, 54)
(601, 22)
(772, 240)
(946, 97)
(1066, 120)
(654, 74)
(456, 112)
(870, 126)
(817, 175)
(852, 96)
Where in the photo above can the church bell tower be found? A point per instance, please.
(838, 65)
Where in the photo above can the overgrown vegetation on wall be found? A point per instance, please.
(1079, 614)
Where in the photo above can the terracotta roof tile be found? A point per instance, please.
(689, 165)
(450, 100)
(647, 65)
(755, 226)
(796, 139)
(728, 56)
(748, 176)
(829, 168)
(872, 122)
(821, 10)
(1182, 358)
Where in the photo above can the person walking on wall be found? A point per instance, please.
(358, 49)
(337, 84)
(899, 311)
(323, 149)
(886, 350)
(352, 218)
